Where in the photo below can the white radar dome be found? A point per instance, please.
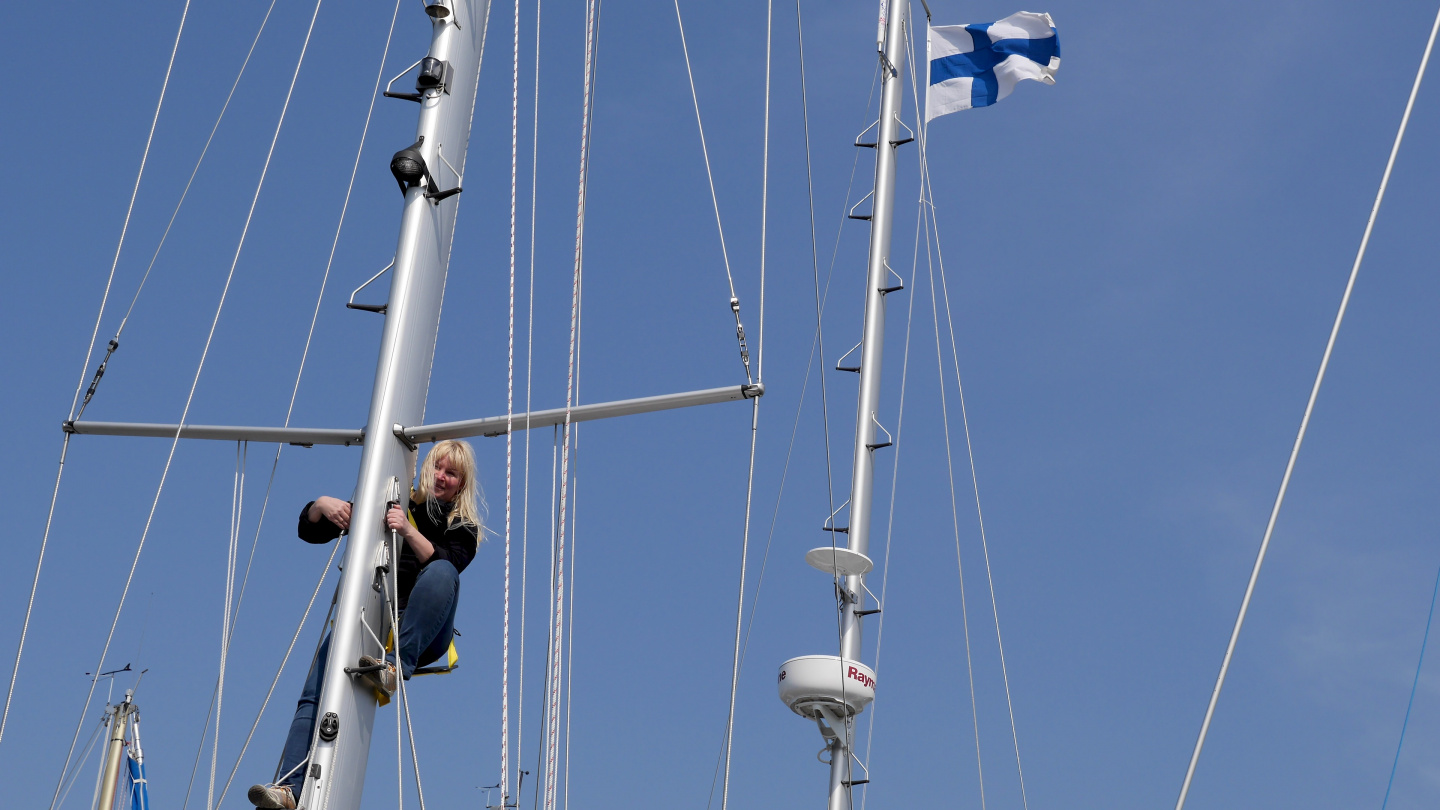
(845, 687)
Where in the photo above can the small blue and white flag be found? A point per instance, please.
(977, 65)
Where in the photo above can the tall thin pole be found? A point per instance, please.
(334, 776)
(879, 283)
(114, 753)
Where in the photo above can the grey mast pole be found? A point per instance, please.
(879, 282)
(335, 774)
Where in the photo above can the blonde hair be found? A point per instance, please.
(466, 504)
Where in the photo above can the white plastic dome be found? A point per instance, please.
(810, 681)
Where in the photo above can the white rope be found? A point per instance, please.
(556, 663)
(541, 763)
(928, 209)
(570, 640)
(190, 397)
(79, 386)
(510, 419)
(529, 366)
(1305, 420)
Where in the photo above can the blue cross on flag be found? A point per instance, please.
(977, 65)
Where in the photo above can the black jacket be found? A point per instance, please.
(456, 543)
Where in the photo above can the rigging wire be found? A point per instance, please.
(954, 511)
(184, 193)
(196, 381)
(816, 344)
(714, 200)
(80, 763)
(754, 421)
(237, 502)
(1305, 420)
(1414, 685)
(928, 210)
(65, 443)
(324, 572)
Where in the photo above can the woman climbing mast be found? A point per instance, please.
(440, 531)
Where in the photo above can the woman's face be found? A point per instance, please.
(448, 480)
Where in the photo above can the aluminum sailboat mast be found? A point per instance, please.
(832, 690)
(880, 281)
(335, 774)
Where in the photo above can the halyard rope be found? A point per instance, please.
(1305, 420)
(529, 366)
(510, 419)
(556, 664)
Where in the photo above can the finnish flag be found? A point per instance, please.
(977, 65)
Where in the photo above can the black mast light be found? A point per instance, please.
(434, 75)
(409, 167)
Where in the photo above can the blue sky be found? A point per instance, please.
(1143, 264)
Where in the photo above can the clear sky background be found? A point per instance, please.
(1143, 263)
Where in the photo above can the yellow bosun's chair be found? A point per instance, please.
(452, 656)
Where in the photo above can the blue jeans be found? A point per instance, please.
(426, 627)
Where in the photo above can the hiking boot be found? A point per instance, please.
(272, 797)
(382, 680)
